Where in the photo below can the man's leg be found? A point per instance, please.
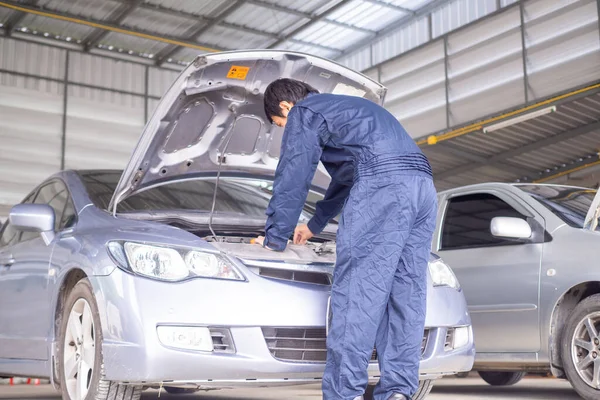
(400, 334)
(371, 238)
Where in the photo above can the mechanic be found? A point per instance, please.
(382, 183)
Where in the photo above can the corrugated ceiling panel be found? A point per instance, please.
(304, 6)
(32, 58)
(159, 80)
(330, 35)
(128, 42)
(102, 128)
(30, 151)
(55, 27)
(262, 18)
(201, 7)
(226, 38)
(5, 14)
(161, 23)
(94, 9)
(367, 15)
(563, 45)
(105, 72)
(407, 38)
(459, 13)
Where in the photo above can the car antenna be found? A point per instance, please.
(221, 157)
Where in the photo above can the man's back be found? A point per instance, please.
(361, 125)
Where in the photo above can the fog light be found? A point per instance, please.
(186, 337)
(461, 336)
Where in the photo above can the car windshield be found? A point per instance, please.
(235, 195)
(569, 203)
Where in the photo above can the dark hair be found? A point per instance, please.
(284, 89)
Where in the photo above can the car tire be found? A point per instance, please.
(423, 390)
(578, 343)
(178, 390)
(501, 378)
(81, 367)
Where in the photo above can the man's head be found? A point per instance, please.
(280, 97)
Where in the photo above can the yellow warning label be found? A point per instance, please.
(237, 72)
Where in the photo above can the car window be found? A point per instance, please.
(568, 203)
(468, 219)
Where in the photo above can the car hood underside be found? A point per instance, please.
(212, 117)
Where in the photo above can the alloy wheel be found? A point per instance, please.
(79, 350)
(585, 350)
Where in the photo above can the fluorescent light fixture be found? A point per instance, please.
(516, 120)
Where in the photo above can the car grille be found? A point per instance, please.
(317, 278)
(307, 344)
(222, 340)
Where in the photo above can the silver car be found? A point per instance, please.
(526, 256)
(115, 281)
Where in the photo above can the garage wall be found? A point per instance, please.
(62, 109)
(509, 57)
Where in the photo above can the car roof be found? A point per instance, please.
(492, 185)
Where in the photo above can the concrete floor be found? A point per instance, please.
(446, 389)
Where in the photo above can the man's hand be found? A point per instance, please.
(302, 234)
(259, 240)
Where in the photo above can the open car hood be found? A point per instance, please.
(212, 117)
(592, 218)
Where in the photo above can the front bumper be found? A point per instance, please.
(132, 307)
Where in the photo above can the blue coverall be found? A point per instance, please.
(384, 184)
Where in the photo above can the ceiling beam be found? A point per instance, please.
(16, 18)
(107, 26)
(396, 25)
(117, 17)
(307, 16)
(495, 160)
(310, 23)
(391, 6)
(198, 30)
(505, 165)
(582, 164)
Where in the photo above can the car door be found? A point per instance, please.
(24, 294)
(500, 277)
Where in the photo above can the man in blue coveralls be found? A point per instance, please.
(382, 183)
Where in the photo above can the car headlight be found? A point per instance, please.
(442, 275)
(172, 264)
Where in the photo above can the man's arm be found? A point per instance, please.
(300, 153)
(329, 207)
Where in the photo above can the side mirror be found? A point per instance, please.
(510, 228)
(34, 218)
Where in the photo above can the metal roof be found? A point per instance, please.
(538, 149)
(162, 29)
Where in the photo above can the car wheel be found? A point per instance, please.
(81, 367)
(501, 378)
(423, 390)
(581, 348)
(178, 390)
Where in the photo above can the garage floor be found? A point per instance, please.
(446, 389)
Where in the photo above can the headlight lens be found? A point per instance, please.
(172, 264)
(442, 275)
